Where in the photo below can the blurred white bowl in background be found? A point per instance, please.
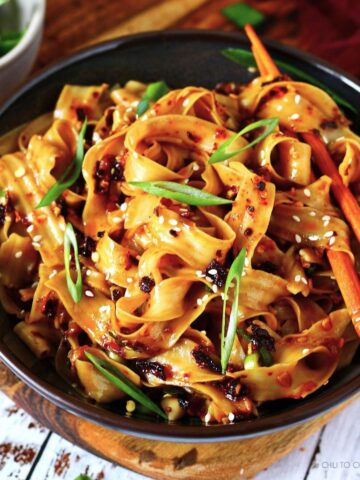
(17, 63)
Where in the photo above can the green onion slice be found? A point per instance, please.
(153, 93)
(241, 14)
(70, 175)
(246, 59)
(180, 192)
(221, 154)
(227, 340)
(75, 289)
(124, 384)
(251, 361)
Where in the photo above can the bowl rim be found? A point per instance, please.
(34, 26)
(162, 431)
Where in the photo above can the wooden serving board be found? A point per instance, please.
(163, 460)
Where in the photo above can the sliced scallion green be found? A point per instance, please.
(124, 384)
(241, 14)
(234, 275)
(251, 361)
(221, 154)
(181, 193)
(70, 175)
(153, 93)
(70, 240)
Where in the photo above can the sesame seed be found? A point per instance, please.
(36, 244)
(207, 418)
(176, 229)
(303, 279)
(186, 226)
(328, 234)
(215, 288)
(297, 278)
(172, 221)
(123, 207)
(129, 280)
(89, 293)
(95, 257)
(298, 238)
(37, 238)
(117, 220)
(307, 192)
(305, 351)
(332, 241)
(297, 99)
(212, 271)
(209, 279)
(262, 154)
(294, 116)
(279, 108)
(186, 102)
(199, 301)
(196, 167)
(30, 228)
(251, 69)
(326, 218)
(104, 309)
(130, 406)
(326, 223)
(20, 172)
(205, 297)
(231, 417)
(246, 262)
(18, 254)
(53, 274)
(296, 218)
(88, 272)
(199, 273)
(312, 214)
(161, 219)
(313, 238)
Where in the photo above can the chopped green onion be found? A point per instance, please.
(153, 93)
(8, 40)
(124, 384)
(251, 361)
(241, 14)
(246, 58)
(180, 192)
(266, 357)
(221, 154)
(82, 476)
(75, 289)
(70, 175)
(2, 193)
(227, 341)
(244, 335)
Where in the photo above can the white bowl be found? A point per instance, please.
(16, 64)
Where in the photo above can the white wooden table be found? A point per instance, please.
(30, 452)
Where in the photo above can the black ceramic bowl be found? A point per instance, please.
(181, 58)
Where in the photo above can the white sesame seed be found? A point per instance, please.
(95, 257)
(303, 279)
(332, 241)
(104, 309)
(172, 221)
(297, 278)
(199, 301)
(129, 280)
(212, 271)
(305, 351)
(199, 273)
(297, 99)
(186, 102)
(298, 238)
(326, 218)
(36, 245)
(205, 297)
(307, 192)
(231, 417)
(88, 272)
(89, 293)
(37, 238)
(262, 154)
(294, 116)
(215, 288)
(186, 226)
(328, 234)
(117, 220)
(326, 223)
(196, 167)
(176, 229)
(161, 219)
(279, 108)
(186, 181)
(312, 214)
(296, 218)
(53, 274)
(207, 418)
(123, 207)
(209, 279)
(20, 172)
(30, 228)
(18, 254)
(130, 406)
(313, 238)
(251, 69)
(246, 262)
